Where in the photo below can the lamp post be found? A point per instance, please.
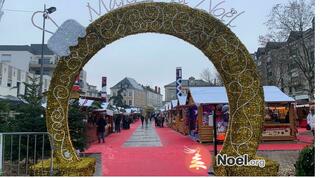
(45, 12)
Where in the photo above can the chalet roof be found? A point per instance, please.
(218, 95)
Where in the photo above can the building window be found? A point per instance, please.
(46, 72)
(124, 93)
(9, 83)
(45, 61)
(130, 93)
(6, 58)
(10, 72)
(130, 102)
(19, 75)
(45, 83)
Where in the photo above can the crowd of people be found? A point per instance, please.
(121, 121)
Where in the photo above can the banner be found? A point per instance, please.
(76, 86)
(104, 88)
(179, 81)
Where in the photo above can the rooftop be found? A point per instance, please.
(218, 95)
(192, 82)
(129, 83)
(33, 48)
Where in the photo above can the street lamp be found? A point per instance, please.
(45, 13)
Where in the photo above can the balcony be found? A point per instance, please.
(37, 65)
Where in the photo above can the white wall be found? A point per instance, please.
(11, 89)
(19, 59)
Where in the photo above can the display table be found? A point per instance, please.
(277, 131)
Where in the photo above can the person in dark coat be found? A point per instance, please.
(101, 124)
(117, 123)
(142, 119)
(162, 119)
(147, 120)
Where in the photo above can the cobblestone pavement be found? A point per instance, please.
(286, 159)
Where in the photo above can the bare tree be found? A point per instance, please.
(213, 78)
(295, 17)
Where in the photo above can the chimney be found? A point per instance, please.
(156, 89)
(159, 90)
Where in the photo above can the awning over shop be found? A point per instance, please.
(108, 111)
(85, 102)
(218, 95)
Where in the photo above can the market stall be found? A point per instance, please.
(206, 104)
(211, 103)
(173, 114)
(302, 111)
(280, 116)
(181, 121)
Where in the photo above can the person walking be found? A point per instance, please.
(142, 119)
(101, 124)
(147, 120)
(161, 120)
(117, 123)
(310, 119)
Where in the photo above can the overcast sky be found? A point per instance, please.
(151, 59)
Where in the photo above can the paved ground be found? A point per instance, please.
(144, 137)
(149, 151)
(286, 159)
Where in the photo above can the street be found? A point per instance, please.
(148, 151)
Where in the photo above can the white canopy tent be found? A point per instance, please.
(218, 95)
(85, 102)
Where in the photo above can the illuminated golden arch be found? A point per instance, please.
(197, 27)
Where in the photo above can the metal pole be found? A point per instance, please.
(42, 50)
(215, 133)
(1, 154)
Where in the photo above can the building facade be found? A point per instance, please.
(24, 60)
(278, 65)
(170, 89)
(136, 95)
(12, 80)
(153, 97)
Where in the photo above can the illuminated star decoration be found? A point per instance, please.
(196, 162)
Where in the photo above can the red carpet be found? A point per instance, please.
(272, 146)
(168, 160)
